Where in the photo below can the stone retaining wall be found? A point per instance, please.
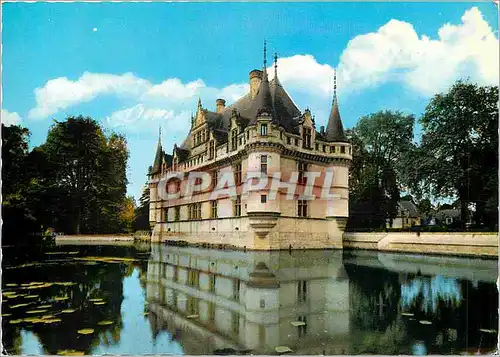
(453, 243)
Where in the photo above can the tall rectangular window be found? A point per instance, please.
(214, 177)
(177, 213)
(234, 139)
(296, 142)
(165, 215)
(194, 211)
(263, 164)
(198, 210)
(263, 198)
(214, 209)
(237, 206)
(342, 149)
(302, 167)
(263, 129)
(306, 138)
(288, 140)
(237, 174)
(332, 149)
(302, 208)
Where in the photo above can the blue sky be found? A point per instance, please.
(135, 66)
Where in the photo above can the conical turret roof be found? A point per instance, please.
(334, 129)
(158, 158)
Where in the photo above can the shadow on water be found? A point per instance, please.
(182, 300)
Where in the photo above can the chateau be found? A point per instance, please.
(265, 132)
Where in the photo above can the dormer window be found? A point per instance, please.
(263, 129)
(342, 149)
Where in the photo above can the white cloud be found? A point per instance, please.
(61, 93)
(10, 118)
(303, 73)
(396, 53)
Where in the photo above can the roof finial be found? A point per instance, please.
(159, 133)
(199, 102)
(265, 55)
(276, 65)
(334, 83)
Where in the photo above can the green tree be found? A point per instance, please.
(141, 221)
(380, 141)
(128, 213)
(458, 155)
(18, 219)
(88, 180)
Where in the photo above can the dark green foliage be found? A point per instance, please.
(379, 141)
(75, 182)
(458, 155)
(141, 221)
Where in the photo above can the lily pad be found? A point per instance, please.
(298, 323)
(39, 286)
(11, 284)
(193, 316)
(45, 317)
(407, 314)
(86, 331)
(16, 321)
(487, 331)
(34, 320)
(18, 305)
(425, 322)
(51, 321)
(105, 323)
(61, 298)
(70, 353)
(95, 300)
(5, 315)
(36, 311)
(283, 349)
(31, 296)
(65, 283)
(45, 306)
(68, 311)
(100, 303)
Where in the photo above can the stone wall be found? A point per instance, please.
(455, 243)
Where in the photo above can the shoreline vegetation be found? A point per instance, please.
(76, 181)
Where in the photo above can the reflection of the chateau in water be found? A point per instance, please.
(311, 301)
(248, 300)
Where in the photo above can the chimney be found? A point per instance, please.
(220, 104)
(255, 78)
(322, 130)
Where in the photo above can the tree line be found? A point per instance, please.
(74, 183)
(456, 158)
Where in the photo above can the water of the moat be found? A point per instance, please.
(157, 299)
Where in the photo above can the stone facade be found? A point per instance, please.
(262, 132)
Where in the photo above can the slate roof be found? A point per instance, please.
(409, 208)
(334, 129)
(274, 99)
